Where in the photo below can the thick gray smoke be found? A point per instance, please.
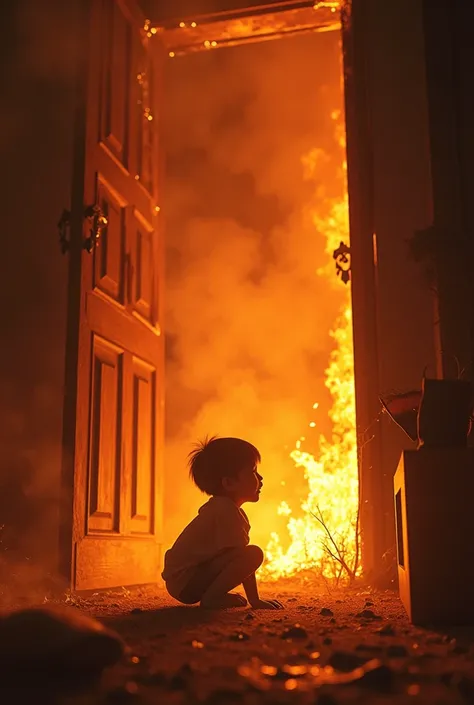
(248, 318)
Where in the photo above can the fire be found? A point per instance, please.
(324, 534)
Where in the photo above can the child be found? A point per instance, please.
(212, 555)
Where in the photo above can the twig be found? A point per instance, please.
(337, 556)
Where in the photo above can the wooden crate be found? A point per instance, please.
(434, 513)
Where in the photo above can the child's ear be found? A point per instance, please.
(227, 483)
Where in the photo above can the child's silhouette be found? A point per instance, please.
(212, 555)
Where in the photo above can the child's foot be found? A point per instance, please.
(231, 599)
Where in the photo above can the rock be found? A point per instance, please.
(368, 614)
(58, 639)
(368, 603)
(326, 612)
(397, 651)
(136, 610)
(250, 616)
(380, 678)
(295, 632)
(346, 661)
(327, 641)
(386, 630)
(292, 599)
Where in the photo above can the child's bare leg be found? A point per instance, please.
(244, 562)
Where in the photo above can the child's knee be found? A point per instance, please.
(255, 557)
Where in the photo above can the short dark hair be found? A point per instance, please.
(215, 458)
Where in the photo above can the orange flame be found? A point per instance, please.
(324, 533)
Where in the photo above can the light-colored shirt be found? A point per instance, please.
(219, 524)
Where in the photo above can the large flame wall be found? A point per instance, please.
(258, 325)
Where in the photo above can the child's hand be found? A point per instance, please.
(267, 605)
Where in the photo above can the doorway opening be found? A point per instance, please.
(258, 324)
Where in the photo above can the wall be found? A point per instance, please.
(35, 149)
(400, 163)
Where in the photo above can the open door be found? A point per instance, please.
(113, 413)
(242, 22)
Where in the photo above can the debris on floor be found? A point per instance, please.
(347, 646)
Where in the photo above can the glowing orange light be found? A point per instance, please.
(332, 501)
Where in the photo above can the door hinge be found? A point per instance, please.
(342, 256)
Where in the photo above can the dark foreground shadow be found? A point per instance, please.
(463, 636)
(36, 687)
(166, 620)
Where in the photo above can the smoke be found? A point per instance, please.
(39, 47)
(247, 317)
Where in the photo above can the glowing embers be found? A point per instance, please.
(308, 675)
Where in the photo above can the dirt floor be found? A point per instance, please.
(325, 648)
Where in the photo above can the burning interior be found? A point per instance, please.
(259, 325)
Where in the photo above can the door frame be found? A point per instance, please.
(363, 244)
(218, 30)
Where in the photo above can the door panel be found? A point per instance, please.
(111, 254)
(143, 279)
(143, 406)
(113, 430)
(105, 432)
(115, 75)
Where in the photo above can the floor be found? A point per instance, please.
(328, 647)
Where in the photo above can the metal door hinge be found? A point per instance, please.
(343, 262)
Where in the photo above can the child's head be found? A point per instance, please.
(227, 467)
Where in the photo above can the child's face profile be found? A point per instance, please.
(246, 486)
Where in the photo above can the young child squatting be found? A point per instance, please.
(212, 556)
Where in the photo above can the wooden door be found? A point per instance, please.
(113, 414)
